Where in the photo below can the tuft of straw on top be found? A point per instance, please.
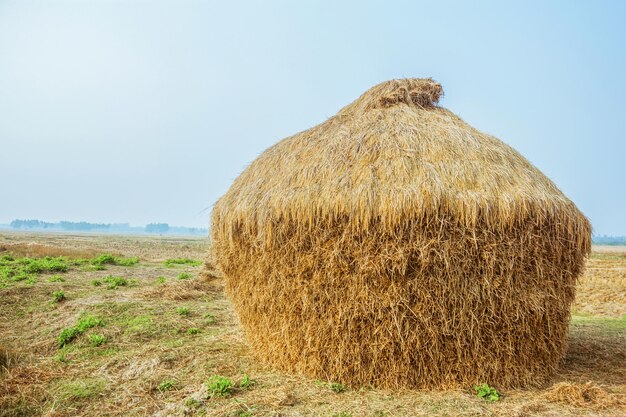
(394, 245)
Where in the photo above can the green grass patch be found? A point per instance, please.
(142, 325)
(114, 281)
(127, 261)
(68, 335)
(108, 259)
(185, 275)
(183, 311)
(56, 278)
(88, 322)
(166, 385)
(97, 340)
(182, 261)
(90, 268)
(79, 389)
(26, 269)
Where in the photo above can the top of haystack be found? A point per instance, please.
(392, 154)
(419, 92)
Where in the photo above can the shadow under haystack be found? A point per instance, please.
(396, 246)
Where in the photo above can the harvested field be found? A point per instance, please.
(164, 337)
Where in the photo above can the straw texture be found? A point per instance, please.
(396, 246)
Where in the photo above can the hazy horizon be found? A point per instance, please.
(142, 112)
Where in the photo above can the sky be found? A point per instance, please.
(146, 111)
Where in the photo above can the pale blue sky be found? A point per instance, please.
(144, 111)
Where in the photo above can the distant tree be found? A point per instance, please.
(157, 228)
(65, 225)
(30, 224)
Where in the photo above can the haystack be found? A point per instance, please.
(396, 246)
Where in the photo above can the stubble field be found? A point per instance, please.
(144, 332)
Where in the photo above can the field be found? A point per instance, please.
(143, 332)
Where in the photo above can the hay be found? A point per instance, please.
(394, 245)
(587, 395)
(209, 269)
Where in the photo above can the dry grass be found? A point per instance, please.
(183, 290)
(601, 292)
(587, 395)
(36, 250)
(396, 246)
(8, 358)
(147, 343)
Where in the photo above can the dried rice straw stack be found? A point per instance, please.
(396, 246)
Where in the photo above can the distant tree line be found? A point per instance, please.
(31, 224)
(160, 228)
(63, 225)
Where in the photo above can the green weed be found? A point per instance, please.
(115, 281)
(486, 392)
(58, 296)
(246, 382)
(21, 276)
(104, 259)
(337, 387)
(184, 275)
(88, 322)
(183, 311)
(219, 386)
(193, 330)
(97, 339)
(166, 385)
(47, 264)
(67, 335)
